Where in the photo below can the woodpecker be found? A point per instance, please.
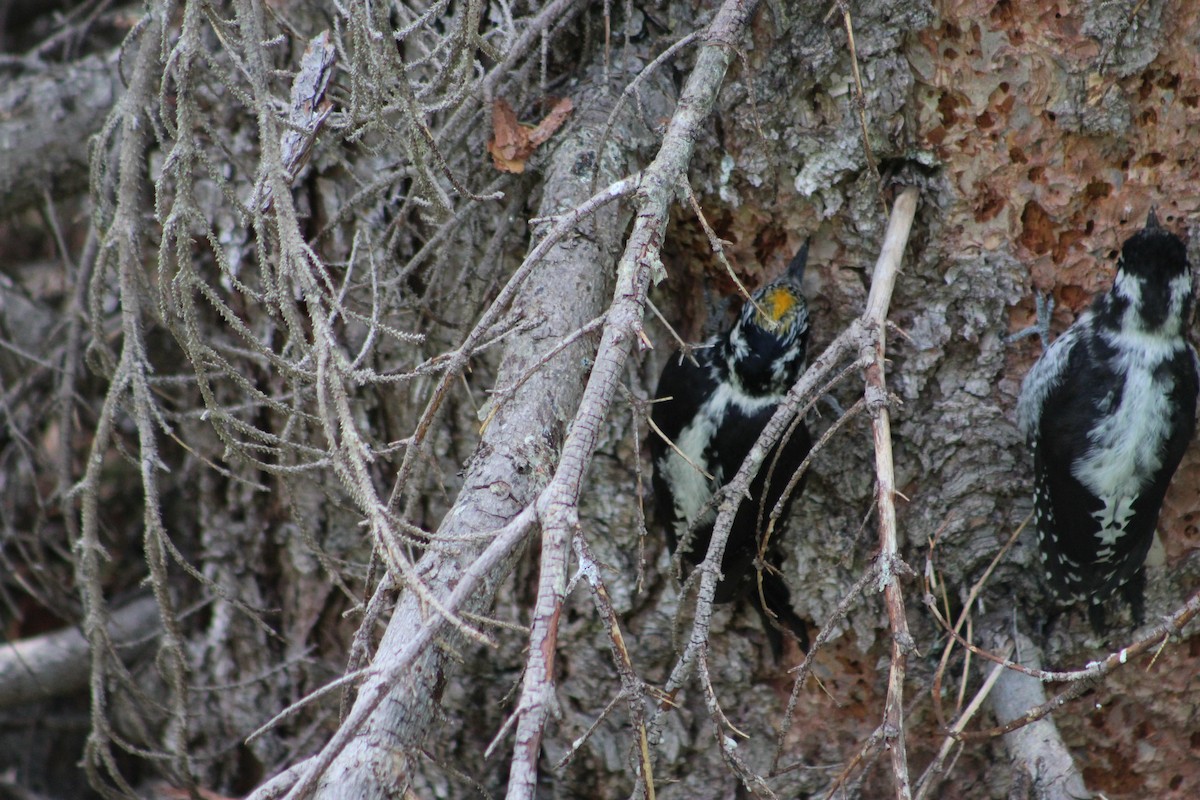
(712, 410)
(1108, 411)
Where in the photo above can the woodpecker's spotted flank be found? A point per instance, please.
(1108, 411)
(713, 410)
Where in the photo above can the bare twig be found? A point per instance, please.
(633, 688)
(563, 226)
(501, 394)
(718, 249)
(1084, 679)
(864, 754)
(875, 317)
(631, 89)
(1036, 746)
(376, 691)
(968, 605)
(860, 101)
(804, 670)
(671, 443)
(777, 511)
(929, 779)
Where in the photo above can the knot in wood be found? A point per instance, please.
(876, 397)
(905, 642)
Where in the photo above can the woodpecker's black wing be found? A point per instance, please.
(1095, 542)
(683, 388)
(1066, 512)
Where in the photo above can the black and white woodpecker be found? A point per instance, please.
(713, 410)
(1108, 411)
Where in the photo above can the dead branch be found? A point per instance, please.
(804, 670)
(120, 254)
(1036, 747)
(394, 709)
(1084, 679)
(57, 663)
(1171, 626)
(891, 568)
(936, 769)
(633, 687)
(558, 505)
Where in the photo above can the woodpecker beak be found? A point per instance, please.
(795, 269)
(1152, 220)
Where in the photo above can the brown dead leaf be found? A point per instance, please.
(553, 121)
(509, 144)
(513, 142)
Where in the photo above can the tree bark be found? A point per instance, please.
(46, 122)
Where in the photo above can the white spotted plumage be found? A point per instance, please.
(1108, 411)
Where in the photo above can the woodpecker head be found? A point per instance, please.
(1152, 292)
(765, 349)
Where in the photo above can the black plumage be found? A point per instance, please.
(1108, 411)
(713, 411)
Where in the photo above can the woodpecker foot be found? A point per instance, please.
(1045, 309)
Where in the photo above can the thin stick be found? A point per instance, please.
(860, 98)
(557, 507)
(1084, 679)
(962, 617)
(882, 282)
(935, 769)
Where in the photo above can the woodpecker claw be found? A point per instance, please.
(1044, 304)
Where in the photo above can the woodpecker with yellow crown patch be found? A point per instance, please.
(1108, 411)
(713, 410)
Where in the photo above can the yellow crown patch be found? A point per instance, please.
(777, 303)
